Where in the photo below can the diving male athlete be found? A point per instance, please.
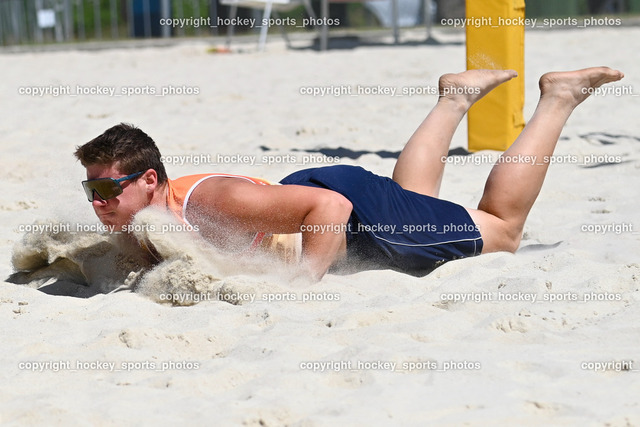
(125, 174)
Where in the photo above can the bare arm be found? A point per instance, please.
(248, 207)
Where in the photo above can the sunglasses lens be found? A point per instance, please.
(106, 188)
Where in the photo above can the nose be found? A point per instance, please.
(97, 200)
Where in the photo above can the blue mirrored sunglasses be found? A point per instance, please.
(107, 188)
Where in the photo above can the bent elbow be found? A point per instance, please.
(342, 205)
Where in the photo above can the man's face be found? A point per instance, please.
(119, 210)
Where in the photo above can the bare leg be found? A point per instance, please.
(512, 187)
(420, 167)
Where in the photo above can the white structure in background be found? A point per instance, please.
(408, 11)
(391, 13)
(49, 15)
(268, 7)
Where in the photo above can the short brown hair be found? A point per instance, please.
(124, 144)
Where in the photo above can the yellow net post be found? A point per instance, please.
(495, 40)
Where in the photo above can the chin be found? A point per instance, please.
(111, 222)
(106, 220)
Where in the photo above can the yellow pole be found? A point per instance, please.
(495, 40)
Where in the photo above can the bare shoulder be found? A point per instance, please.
(248, 206)
(232, 194)
(215, 193)
(208, 208)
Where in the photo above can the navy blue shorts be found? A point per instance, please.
(391, 227)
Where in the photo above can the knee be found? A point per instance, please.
(512, 244)
(501, 239)
(512, 240)
(498, 235)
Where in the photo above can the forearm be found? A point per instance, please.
(324, 236)
(321, 251)
(319, 214)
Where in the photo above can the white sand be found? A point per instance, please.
(241, 364)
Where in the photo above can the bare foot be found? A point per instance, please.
(573, 87)
(469, 86)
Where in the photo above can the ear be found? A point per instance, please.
(150, 178)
